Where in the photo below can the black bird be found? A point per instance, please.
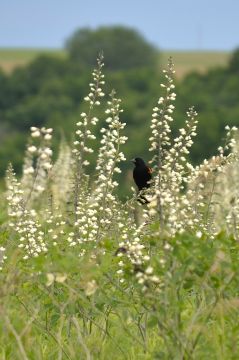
(142, 175)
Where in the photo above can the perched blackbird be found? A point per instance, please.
(142, 176)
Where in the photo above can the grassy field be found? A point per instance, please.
(13, 58)
(185, 61)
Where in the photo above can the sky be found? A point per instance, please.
(168, 24)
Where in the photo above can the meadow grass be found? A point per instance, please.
(193, 317)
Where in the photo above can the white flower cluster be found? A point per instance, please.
(85, 228)
(32, 238)
(230, 142)
(232, 219)
(174, 161)
(212, 186)
(55, 226)
(3, 257)
(14, 194)
(132, 250)
(171, 178)
(199, 196)
(162, 116)
(96, 207)
(37, 163)
(170, 160)
(23, 221)
(147, 277)
(227, 185)
(109, 156)
(84, 132)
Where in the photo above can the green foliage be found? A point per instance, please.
(40, 110)
(193, 316)
(123, 48)
(49, 92)
(215, 97)
(234, 62)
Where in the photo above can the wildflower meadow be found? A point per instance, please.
(87, 275)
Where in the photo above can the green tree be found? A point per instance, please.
(234, 61)
(123, 48)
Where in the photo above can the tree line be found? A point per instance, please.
(49, 92)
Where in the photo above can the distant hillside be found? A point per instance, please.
(185, 61)
(12, 58)
(201, 61)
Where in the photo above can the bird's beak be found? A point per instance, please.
(133, 161)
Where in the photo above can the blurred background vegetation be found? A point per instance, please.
(46, 88)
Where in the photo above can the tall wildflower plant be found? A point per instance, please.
(24, 221)
(169, 160)
(84, 132)
(183, 196)
(109, 157)
(95, 204)
(227, 187)
(98, 205)
(204, 194)
(62, 174)
(218, 181)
